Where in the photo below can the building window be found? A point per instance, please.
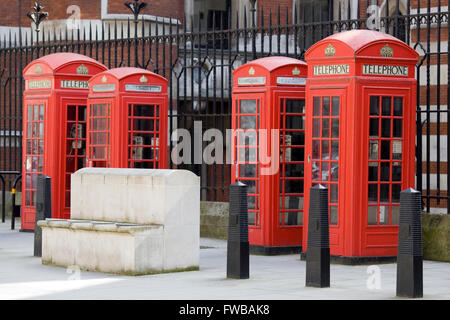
(308, 11)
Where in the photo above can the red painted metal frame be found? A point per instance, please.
(121, 101)
(352, 236)
(43, 80)
(268, 230)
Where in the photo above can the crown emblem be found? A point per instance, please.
(143, 79)
(296, 71)
(330, 51)
(104, 79)
(82, 69)
(251, 71)
(38, 69)
(386, 51)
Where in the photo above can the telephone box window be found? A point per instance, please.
(100, 126)
(34, 151)
(248, 119)
(383, 204)
(75, 144)
(325, 168)
(143, 136)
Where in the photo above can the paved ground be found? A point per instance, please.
(22, 276)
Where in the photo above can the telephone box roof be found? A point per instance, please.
(357, 40)
(124, 72)
(274, 62)
(58, 60)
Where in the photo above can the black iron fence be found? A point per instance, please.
(198, 59)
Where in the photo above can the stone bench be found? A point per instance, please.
(128, 221)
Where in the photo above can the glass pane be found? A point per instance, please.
(316, 149)
(297, 154)
(335, 150)
(36, 113)
(384, 193)
(293, 186)
(316, 106)
(373, 171)
(250, 138)
(292, 218)
(373, 127)
(374, 106)
(295, 106)
(333, 193)
(386, 106)
(333, 215)
(251, 219)
(325, 128)
(248, 170)
(386, 128)
(41, 129)
(325, 149)
(372, 215)
(248, 106)
(397, 129)
(294, 170)
(293, 202)
(143, 111)
(373, 193)
(396, 188)
(384, 215)
(143, 124)
(385, 149)
(334, 171)
(384, 171)
(251, 202)
(99, 110)
(335, 128)
(373, 150)
(41, 112)
(71, 113)
(316, 128)
(396, 150)
(396, 172)
(326, 107)
(30, 113)
(99, 124)
(398, 107)
(395, 217)
(248, 122)
(335, 106)
(295, 122)
(325, 171)
(297, 138)
(315, 171)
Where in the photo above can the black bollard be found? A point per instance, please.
(43, 210)
(238, 246)
(410, 256)
(318, 251)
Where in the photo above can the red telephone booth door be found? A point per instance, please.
(288, 230)
(248, 119)
(387, 151)
(144, 134)
(325, 148)
(99, 134)
(33, 165)
(75, 144)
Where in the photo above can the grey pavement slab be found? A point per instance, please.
(22, 276)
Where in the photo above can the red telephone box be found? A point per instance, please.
(127, 126)
(54, 127)
(360, 138)
(268, 116)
